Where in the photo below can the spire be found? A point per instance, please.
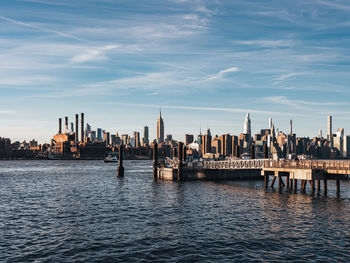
(160, 112)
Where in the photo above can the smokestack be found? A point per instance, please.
(291, 127)
(72, 126)
(76, 128)
(82, 127)
(66, 123)
(59, 125)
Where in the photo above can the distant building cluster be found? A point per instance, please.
(75, 140)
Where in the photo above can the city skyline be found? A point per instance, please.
(207, 63)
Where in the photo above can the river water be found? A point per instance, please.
(65, 211)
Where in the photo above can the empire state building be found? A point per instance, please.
(160, 128)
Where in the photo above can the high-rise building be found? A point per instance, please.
(329, 128)
(247, 125)
(160, 128)
(168, 138)
(136, 139)
(206, 144)
(99, 134)
(329, 131)
(145, 135)
(188, 139)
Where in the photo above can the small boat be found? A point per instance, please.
(111, 159)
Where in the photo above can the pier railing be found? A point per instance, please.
(326, 165)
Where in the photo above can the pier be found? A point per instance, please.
(287, 172)
(305, 171)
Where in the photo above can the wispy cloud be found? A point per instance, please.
(285, 77)
(299, 104)
(266, 43)
(93, 54)
(221, 73)
(40, 28)
(197, 108)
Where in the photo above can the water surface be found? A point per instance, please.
(64, 211)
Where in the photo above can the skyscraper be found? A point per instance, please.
(329, 133)
(136, 139)
(160, 128)
(145, 135)
(247, 126)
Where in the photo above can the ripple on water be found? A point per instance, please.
(66, 211)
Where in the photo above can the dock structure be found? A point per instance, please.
(232, 169)
(287, 172)
(312, 171)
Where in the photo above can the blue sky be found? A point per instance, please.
(206, 63)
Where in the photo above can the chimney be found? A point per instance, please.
(59, 125)
(82, 127)
(66, 123)
(76, 128)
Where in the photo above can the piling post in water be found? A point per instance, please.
(295, 185)
(312, 184)
(318, 184)
(338, 186)
(266, 179)
(273, 179)
(155, 160)
(120, 169)
(325, 186)
(288, 182)
(180, 157)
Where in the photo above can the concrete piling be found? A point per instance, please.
(155, 160)
(120, 169)
(338, 186)
(318, 185)
(180, 157)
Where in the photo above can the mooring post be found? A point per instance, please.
(312, 184)
(273, 181)
(325, 186)
(279, 182)
(179, 168)
(303, 185)
(338, 186)
(155, 160)
(266, 179)
(120, 169)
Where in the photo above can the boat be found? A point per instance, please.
(111, 159)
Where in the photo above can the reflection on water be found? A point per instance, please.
(80, 211)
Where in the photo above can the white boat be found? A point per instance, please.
(111, 159)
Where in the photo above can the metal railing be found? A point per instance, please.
(309, 164)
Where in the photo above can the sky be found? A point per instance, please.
(205, 63)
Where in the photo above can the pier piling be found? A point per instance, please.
(325, 187)
(180, 157)
(338, 186)
(155, 160)
(318, 185)
(120, 169)
(295, 185)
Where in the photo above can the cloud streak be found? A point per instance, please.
(40, 28)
